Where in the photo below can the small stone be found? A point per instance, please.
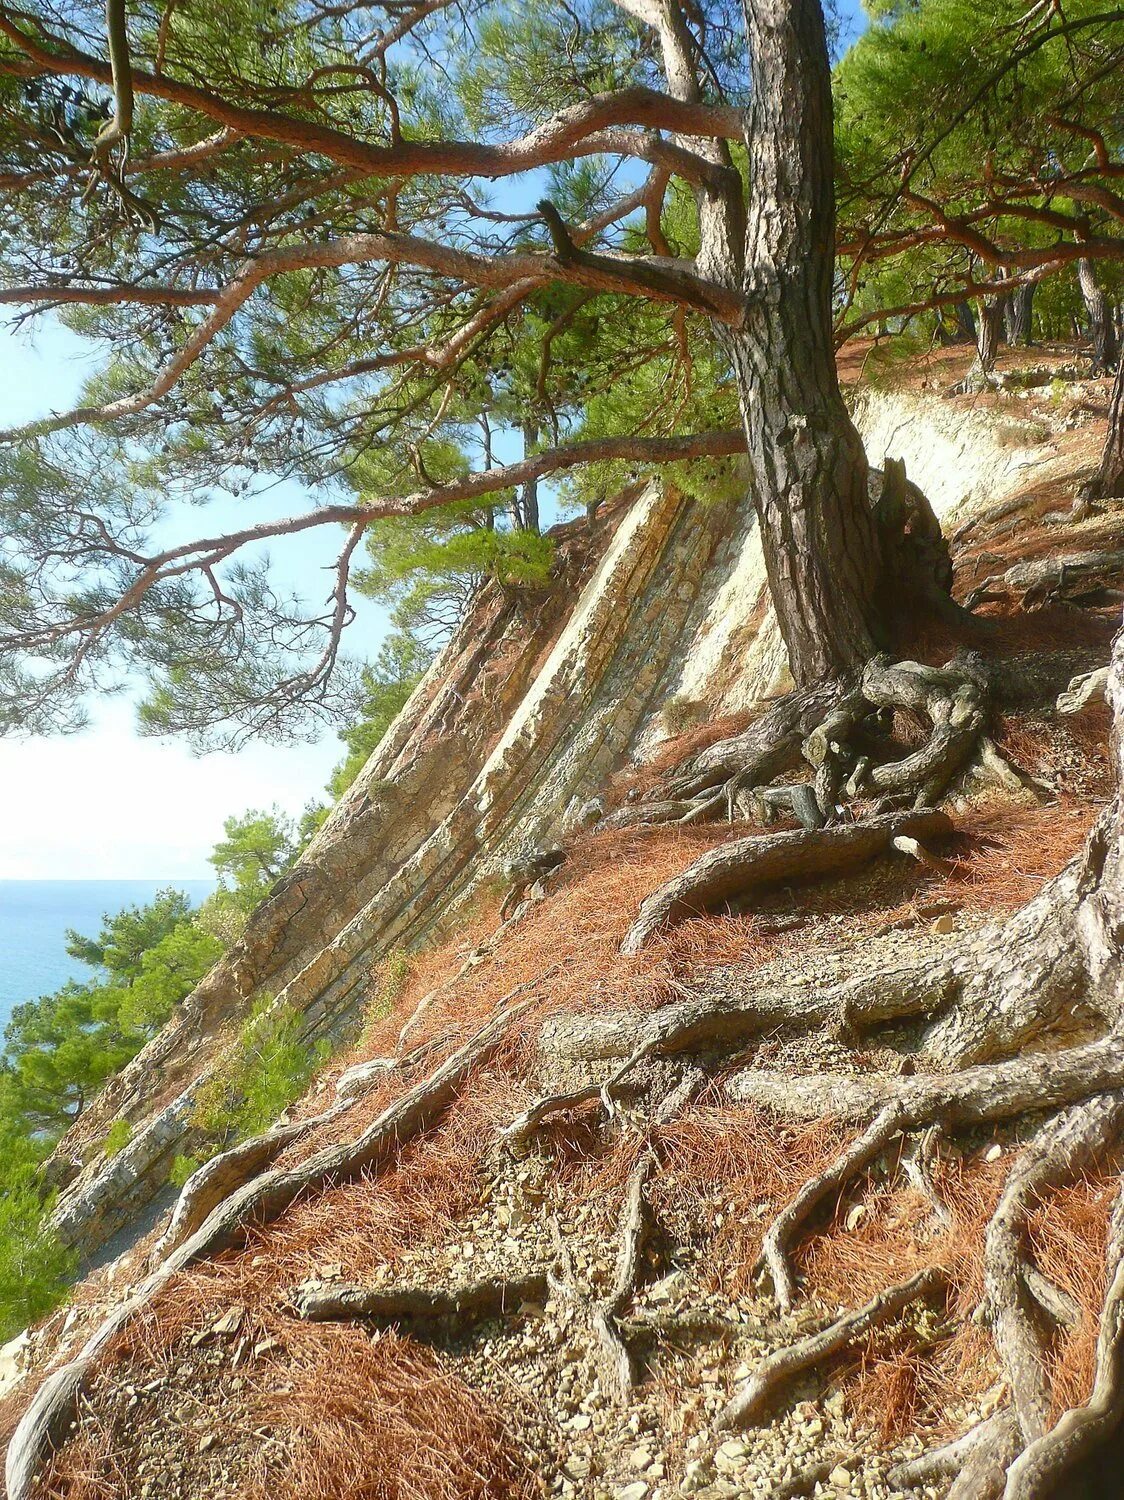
(855, 1215)
(230, 1322)
(635, 1491)
(993, 1153)
(640, 1458)
(840, 1476)
(943, 925)
(332, 1272)
(207, 1442)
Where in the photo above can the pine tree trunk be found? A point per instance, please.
(1102, 330)
(1018, 315)
(528, 517)
(989, 331)
(1108, 482)
(809, 472)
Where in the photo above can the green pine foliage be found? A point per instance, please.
(59, 1050)
(268, 1068)
(35, 1267)
(971, 103)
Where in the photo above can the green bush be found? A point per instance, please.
(391, 978)
(182, 1168)
(266, 1070)
(35, 1267)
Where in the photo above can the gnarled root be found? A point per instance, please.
(1062, 1148)
(738, 867)
(1078, 577)
(837, 730)
(752, 1398)
(1077, 1434)
(389, 1306)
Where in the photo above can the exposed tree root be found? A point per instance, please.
(1077, 1434)
(212, 1183)
(736, 868)
(958, 1456)
(838, 731)
(1078, 578)
(1021, 1023)
(752, 1398)
(257, 1201)
(1062, 1148)
(474, 1303)
(806, 1481)
(1084, 689)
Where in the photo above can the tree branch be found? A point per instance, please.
(566, 134)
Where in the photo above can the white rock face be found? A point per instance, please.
(963, 460)
(13, 1361)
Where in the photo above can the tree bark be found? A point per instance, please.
(528, 516)
(1018, 315)
(1108, 482)
(989, 331)
(1102, 329)
(822, 548)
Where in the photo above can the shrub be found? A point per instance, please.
(679, 714)
(266, 1070)
(36, 1268)
(182, 1168)
(391, 978)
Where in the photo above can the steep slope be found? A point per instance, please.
(524, 717)
(522, 1252)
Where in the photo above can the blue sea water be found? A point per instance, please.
(35, 916)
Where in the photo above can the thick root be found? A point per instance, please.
(1079, 577)
(1035, 1473)
(835, 729)
(736, 868)
(466, 1305)
(1061, 1149)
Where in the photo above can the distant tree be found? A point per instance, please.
(60, 1049)
(255, 851)
(975, 171)
(388, 683)
(126, 938)
(35, 1268)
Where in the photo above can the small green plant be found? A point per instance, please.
(182, 1169)
(117, 1137)
(680, 714)
(1012, 434)
(266, 1070)
(390, 980)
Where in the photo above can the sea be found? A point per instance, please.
(36, 914)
